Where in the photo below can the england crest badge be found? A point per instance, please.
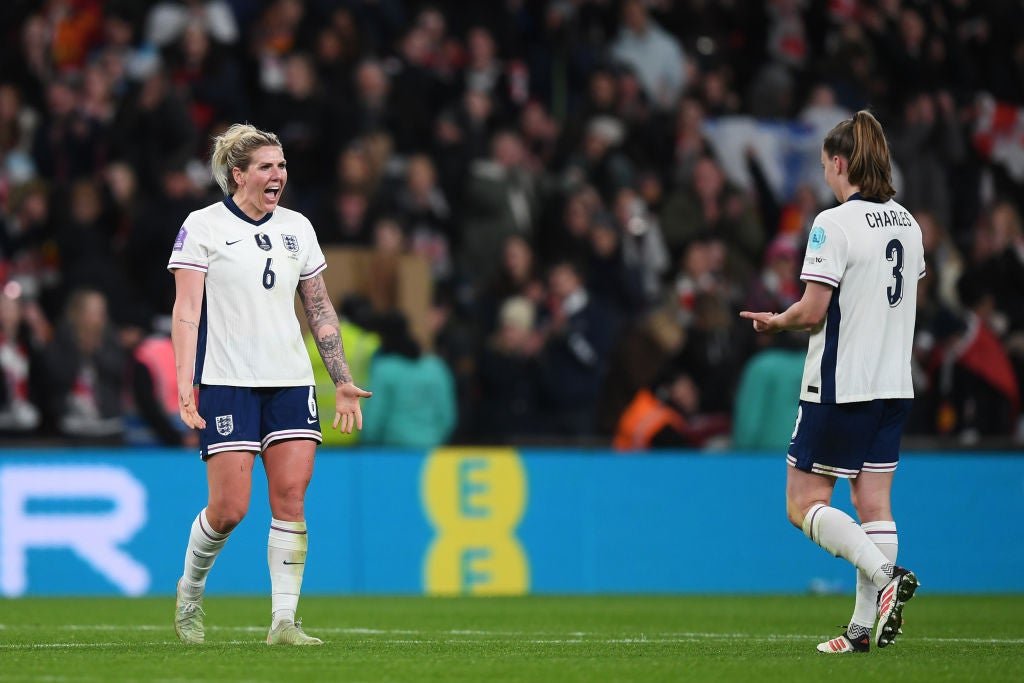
(225, 424)
(291, 243)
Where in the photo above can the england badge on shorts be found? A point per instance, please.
(225, 424)
(291, 243)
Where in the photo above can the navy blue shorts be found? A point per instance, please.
(841, 439)
(252, 418)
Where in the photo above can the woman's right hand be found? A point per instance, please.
(188, 409)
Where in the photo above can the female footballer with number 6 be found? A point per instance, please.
(237, 265)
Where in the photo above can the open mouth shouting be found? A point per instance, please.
(261, 183)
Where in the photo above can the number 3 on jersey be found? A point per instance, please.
(270, 277)
(893, 252)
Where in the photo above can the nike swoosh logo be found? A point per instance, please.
(230, 243)
(287, 562)
(311, 420)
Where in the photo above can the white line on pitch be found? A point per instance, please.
(522, 636)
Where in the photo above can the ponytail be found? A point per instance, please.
(862, 141)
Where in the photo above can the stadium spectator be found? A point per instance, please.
(23, 334)
(599, 161)
(766, 400)
(655, 55)
(371, 109)
(518, 276)
(357, 319)
(423, 210)
(643, 247)
(304, 115)
(714, 351)
(575, 354)
(84, 365)
(710, 204)
(668, 416)
(945, 263)
(981, 386)
(84, 241)
(777, 287)
(126, 59)
(151, 408)
(27, 231)
(210, 77)
(690, 143)
(155, 222)
(69, 145)
(18, 122)
(155, 131)
(925, 146)
(509, 375)
(74, 29)
(567, 236)
(414, 392)
(642, 355)
(501, 199)
(168, 20)
(256, 394)
(614, 282)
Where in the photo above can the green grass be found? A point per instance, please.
(487, 640)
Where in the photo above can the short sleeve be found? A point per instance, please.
(826, 253)
(190, 249)
(316, 262)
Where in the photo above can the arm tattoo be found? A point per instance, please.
(323, 323)
(188, 323)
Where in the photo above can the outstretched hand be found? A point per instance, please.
(762, 321)
(347, 413)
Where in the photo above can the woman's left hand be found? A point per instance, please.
(347, 413)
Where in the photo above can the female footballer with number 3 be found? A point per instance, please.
(861, 267)
(237, 265)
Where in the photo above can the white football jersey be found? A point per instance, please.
(248, 333)
(872, 254)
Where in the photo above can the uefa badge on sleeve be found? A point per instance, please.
(816, 240)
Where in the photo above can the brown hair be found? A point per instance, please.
(862, 141)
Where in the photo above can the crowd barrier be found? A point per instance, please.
(495, 521)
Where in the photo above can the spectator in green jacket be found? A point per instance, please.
(416, 391)
(764, 414)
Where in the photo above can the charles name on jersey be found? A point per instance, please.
(888, 219)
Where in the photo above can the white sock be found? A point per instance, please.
(883, 535)
(204, 544)
(286, 557)
(839, 534)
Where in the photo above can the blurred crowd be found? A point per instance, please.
(598, 187)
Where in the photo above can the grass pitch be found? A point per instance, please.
(530, 639)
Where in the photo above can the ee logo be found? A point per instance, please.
(475, 499)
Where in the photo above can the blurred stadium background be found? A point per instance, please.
(549, 211)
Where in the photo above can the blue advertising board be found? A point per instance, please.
(496, 521)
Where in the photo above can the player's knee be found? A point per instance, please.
(871, 506)
(795, 514)
(226, 516)
(288, 502)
